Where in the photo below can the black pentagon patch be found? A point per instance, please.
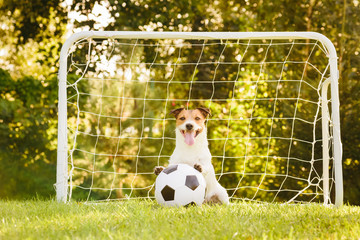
(170, 169)
(190, 204)
(192, 182)
(168, 193)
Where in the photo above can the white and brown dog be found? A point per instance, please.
(192, 149)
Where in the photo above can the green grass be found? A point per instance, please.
(147, 220)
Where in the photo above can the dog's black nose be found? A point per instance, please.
(189, 126)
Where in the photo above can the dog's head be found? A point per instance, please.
(190, 123)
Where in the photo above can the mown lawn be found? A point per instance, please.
(147, 220)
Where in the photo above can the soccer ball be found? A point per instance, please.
(180, 185)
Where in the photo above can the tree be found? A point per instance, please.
(31, 36)
(28, 136)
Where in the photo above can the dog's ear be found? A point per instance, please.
(205, 111)
(176, 112)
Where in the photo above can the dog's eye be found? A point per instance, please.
(197, 118)
(182, 118)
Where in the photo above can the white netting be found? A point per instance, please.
(264, 133)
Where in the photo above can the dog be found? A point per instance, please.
(192, 149)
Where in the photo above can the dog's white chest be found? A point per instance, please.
(190, 156)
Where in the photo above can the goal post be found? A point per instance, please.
(251, 84)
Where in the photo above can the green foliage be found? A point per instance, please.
(32, 16)
(31, 37)
(28, 136)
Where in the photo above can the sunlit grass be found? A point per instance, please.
(147, 220)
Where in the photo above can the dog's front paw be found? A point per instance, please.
(198, 167)
(213, 200)
(217, 196)
(158, 170)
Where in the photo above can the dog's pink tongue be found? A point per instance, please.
(190, 137)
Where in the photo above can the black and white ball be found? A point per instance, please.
(180, 185)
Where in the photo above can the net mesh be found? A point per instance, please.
(264, 133)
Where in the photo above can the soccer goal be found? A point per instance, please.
(274, 133)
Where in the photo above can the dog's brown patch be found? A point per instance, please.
(158, 170)
(214, 199)
(204, 111)
(197, 115)
(176, 112)
(198, 167)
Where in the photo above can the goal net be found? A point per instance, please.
(273, 134)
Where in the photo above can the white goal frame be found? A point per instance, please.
(62, 177)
